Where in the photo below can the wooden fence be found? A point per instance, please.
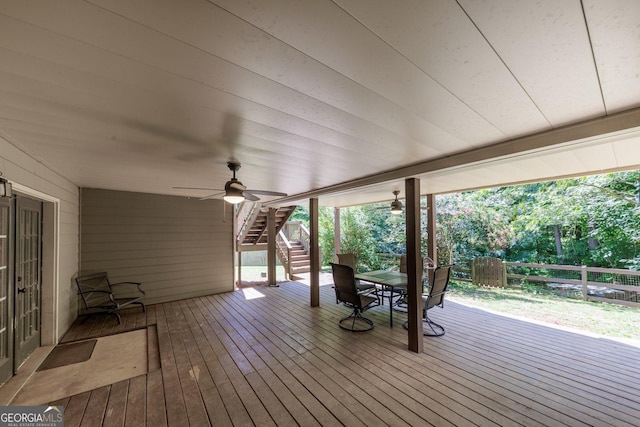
(589, 283)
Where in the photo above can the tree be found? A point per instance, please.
(582, 221)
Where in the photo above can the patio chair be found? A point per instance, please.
(427, 263)
(347, 294)
(435, 297)
(100, 296)
(351, 260)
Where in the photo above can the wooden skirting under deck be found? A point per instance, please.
(262, 356)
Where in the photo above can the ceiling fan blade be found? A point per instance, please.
(247, 195)
(197, 188)
(237, 185)
(212, 196)
(266, 193)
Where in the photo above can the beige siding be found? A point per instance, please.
(177, 247)
(59, 304)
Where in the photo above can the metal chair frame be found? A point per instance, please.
(435, 298)
(347, 294)
(98, 296)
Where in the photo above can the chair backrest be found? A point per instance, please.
(345, 285)
(426, 262)
(348, 259)
(437, 290)
(94, 289)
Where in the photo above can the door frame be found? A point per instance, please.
(49, 317)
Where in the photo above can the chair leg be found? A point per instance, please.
(354, 317)
(429, 327)
(435, 330)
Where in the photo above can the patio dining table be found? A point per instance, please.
(391, 282)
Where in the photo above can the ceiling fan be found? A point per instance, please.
(396, 207)
(234, 191)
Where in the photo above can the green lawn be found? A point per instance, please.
(610, 320)
(254, 273)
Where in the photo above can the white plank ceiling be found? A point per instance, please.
(336, 99)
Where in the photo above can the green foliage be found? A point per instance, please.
(581, 221)
(356, 237)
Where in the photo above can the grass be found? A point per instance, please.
(609, 320)
(252, 273)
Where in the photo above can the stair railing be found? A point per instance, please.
(295, 231)
(283, 248)
(245, 217)
(305, 237)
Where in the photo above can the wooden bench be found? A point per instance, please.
(100, 296)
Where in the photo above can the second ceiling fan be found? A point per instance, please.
(396, 207)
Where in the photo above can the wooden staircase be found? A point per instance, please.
(292, 238)
(300, 261)
(253, 232)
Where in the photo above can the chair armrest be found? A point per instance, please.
(97, 291)
(138, 285)
(126, 283)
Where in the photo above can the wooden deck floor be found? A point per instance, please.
(263, 357)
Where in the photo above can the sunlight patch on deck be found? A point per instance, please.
(252, 293)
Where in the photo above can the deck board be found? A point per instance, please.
(96, 407)
(136, 412)
(156, 408)
(117, 404)
(229, 359)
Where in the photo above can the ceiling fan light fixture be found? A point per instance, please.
(233, 189)
(396, 205)
(233, 196)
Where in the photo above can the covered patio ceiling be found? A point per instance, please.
(339, 100)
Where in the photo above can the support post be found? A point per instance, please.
(414, 264)
(505, 274)
(237, 254)
(314, 250)
(336, 233)
(271, 247)
(432, 243)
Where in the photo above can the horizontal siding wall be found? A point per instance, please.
(177, 247)
(23, 170)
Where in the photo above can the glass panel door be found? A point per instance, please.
(6, 331)
(27, 278)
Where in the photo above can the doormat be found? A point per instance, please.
(68, 354)
(115, 358)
